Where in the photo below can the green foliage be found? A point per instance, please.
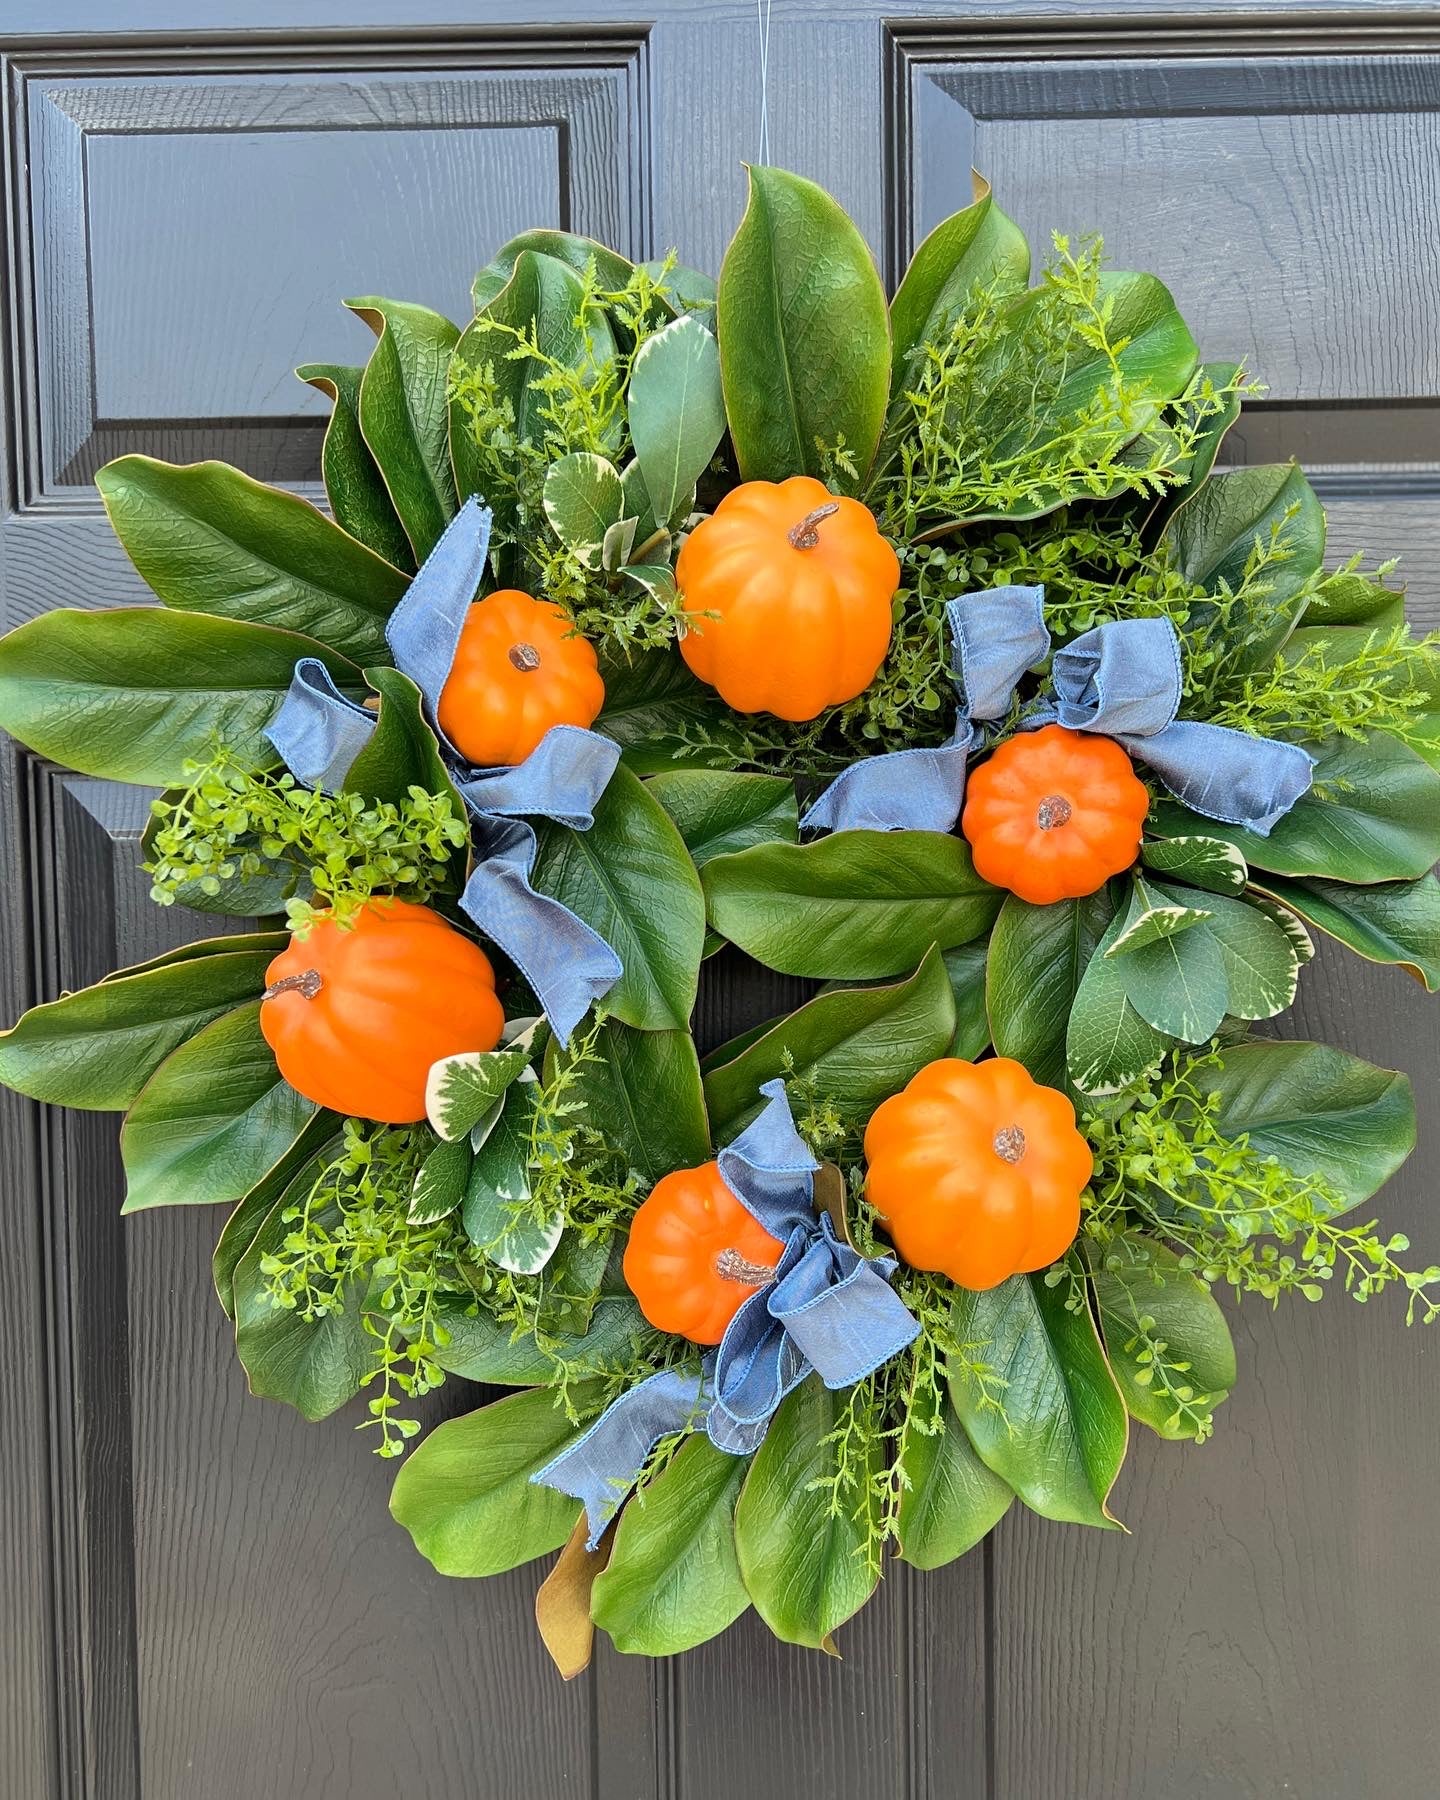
(232, 823)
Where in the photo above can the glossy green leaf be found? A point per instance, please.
(440, 1183)
(495, 1210)
(652, 699)
(1319, 1110)
(673, 1580)
(1394, 922)
(291, 1179)
(252, 943)
(718, 812)
(402, 752)
(212, 1120)
(477, 1347)
(857, 1045)
(1038, 957)
(631, 879)
(465, 1493)
(404, 413)
(612, 270)
(1372, 815)
(951, 1500)
(1145, 1297)
(460, 1090)
(1214, 535)
(210, 540)
(97, 1048)
(1262, 969)
(676, 411)
(1349, 598)
(803, 1565)
(976, 248)
(132, 694)
(354, 485)
(804, 332)
(642, 1090)
(1203, 862)
(1059, 1434)
(1107, 1044)
(965, 965)
(850, 906)
(583, 499)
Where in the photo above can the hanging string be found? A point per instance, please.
(762, 20)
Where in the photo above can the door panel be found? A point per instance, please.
(209, 1597)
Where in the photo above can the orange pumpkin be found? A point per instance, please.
(357, 1013)
(695, 1254)
(520, 667)
(978, 1171)
(799, 584)
(1054, 814)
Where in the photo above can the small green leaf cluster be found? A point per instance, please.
(1163, 1167)
(1384, 681)
(231, 823)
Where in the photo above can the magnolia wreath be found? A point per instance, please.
(914, 649)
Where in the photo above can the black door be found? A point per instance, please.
(206, 1597)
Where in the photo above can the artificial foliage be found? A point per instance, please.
(1038, 1113)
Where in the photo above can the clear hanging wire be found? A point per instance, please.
(762, 20)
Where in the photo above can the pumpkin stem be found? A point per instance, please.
(307, 985)
(1054, 810)
(734, 1267)
(1010, 1143)
(806, 535)
(525, 657)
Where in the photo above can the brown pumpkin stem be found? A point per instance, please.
(307, 985)
(525, 657)
(1010, 1143)
(805, 535)
(734, 1267)
(1054, 810)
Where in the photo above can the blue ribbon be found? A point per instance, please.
(1122, 680)
(319, 733)
(827, 1310)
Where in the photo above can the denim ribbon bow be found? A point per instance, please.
(1121, 679)
(826, 1308)
(319, 733)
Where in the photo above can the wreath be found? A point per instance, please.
(914, 649)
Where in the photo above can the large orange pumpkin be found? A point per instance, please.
(695, 1254)
(520, 667)
(357, 1013)
(799, 584)
(978, 1171)
(1054, 814)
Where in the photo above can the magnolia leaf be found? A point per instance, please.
(134, 693)
(210, 540)
(402, 751)
(1349, 598)
(1169, 1347)
(460, 1090)
(212, 1120)
(465, 1493)
(1048, 1417)
(965, 965)
(685, 290)
(1395, 922)
(676, 410)
(673, 1580)
(354, 485)
(97, 1048)
(804, 333)
(951, 1500)
(291, 1179)
(472, 1343)
(583, 499)
(641, 1090)
(1107, 1043)
(581, 254)
(562, 1603)
(804, 1565)
(851, 906)
(978, 247)
(404, 413)
(654, 708)
(718, 812)
(1038, 957)
(1203, 862)
(440, 1183)
(499, 1190)
(1211, 423)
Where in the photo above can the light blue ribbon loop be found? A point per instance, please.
(1122, 680)
(319, 733)
(826, 1310)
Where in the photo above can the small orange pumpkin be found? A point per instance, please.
(978, 1171)
(520, 667)
(357, 1013)
(1053, 814)
(695, 1254)
(800, 584)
